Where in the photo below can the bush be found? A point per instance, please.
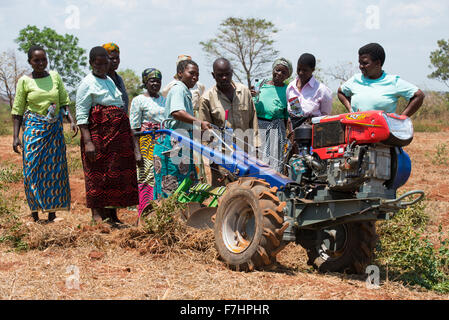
(440, 157)
(70, 140)
(11, 174)
(162, 221)
(11, 230)
(408, 255)
(5, 120)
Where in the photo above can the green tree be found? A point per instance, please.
(132, 83)
(247, 43)
(439, 60)
(63, 52)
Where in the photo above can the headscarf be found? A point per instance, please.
(284, 62)
(181, 57)
(150, 73)
(111, 47)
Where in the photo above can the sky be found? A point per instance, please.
(153, 33)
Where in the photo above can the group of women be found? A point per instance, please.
(121, 171)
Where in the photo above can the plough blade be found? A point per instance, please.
(202, 218)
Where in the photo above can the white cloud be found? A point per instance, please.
(416, 14)
(120, 4)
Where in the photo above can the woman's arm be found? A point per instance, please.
(17, 123)
(344, 99)
(184, 116)
(69, 116)
(89, 147)
(137, 154)
(414, 104)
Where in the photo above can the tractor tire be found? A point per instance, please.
(249, 225)
(346, 248)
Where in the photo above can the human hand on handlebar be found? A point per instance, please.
(205, 125)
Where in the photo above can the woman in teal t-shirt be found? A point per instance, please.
(271, 108)
(170, 169)
(374, 89)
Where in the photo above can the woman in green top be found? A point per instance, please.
(39, 104)
(271, 107)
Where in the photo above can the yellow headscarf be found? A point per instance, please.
(111, 47)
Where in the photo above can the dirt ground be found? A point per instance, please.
(99, 266)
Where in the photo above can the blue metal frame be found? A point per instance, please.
(239, 163)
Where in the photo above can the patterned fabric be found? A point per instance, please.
(183, 57)
(150, 73)
(94, 91)
(145, 108)
(169, 173)
(145, 173)
(111, 180)
(146, 114)
(275, 142)
(111, 46)
(45, 172)
(283, 62)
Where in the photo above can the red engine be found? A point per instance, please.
(332, 134)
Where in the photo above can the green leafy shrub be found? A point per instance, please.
(70, 140)
(408, 255)
(425, 126)
(161, 220)
(440, 157)
(11, 174)
(11, 231)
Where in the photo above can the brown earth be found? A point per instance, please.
(104, 268)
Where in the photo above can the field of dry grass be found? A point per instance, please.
(126, 264)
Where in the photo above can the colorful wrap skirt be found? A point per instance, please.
(172, 164)
(275, 142)
(145, 173)
(45, 171)
(111, 179)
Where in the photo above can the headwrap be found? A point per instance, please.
(150, 73)
(111, 47)
(181, 57)
(284, 62)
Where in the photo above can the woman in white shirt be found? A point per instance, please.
(306, 96)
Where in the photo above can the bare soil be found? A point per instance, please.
(78, 261)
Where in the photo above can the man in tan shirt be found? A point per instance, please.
(242, 116)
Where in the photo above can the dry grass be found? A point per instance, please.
(134, 263)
